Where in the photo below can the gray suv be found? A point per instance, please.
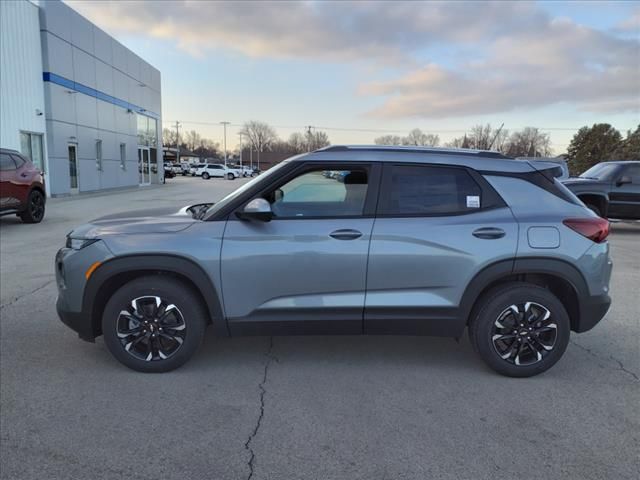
(401, 241)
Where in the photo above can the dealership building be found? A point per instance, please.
(85, 109)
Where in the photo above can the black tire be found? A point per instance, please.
(188, 314)
(594, 209)
(206, 176)
(34, 211)
(495, 308)
(231, 176)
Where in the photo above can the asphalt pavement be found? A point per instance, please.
(324, 407)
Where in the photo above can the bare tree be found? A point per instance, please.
(168, 137)
(529, 142)
(316, 140)
(260, 136)
(388, 140)
(418, 138)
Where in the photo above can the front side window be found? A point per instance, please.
(314, 194)
(427, 190)
(633, 172)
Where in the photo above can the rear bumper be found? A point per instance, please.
(592, 310)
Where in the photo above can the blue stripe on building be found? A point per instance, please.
(92, 92)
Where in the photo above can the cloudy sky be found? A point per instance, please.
(361, 69)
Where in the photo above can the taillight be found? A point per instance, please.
(596, 229)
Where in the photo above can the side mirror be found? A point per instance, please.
(257, 209)
(623, 180)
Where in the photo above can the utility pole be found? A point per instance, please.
(177, 142)
(496, 136)
(309, 137)
(225, 141)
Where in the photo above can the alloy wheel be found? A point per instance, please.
(523, 334)
(151, 329)
(36, 206)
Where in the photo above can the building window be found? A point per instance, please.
(31, 146)
(99, 154)
(123, 156)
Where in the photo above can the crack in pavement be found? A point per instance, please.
(17, 299)
(263, 392)
(611, 357)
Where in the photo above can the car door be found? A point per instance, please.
(624, 198)
(436, 228)
(9, 197)
(305, 270)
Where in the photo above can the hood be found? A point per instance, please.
(157, 220)
(576, 181)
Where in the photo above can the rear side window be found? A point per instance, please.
(6, 163)
(428, 190)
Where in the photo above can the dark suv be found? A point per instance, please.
(404, 241)
(21, 187)
(610, 189)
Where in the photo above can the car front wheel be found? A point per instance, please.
(153, 324)
(231, 176)
(520, 329)
(205, 175)
(34, 211)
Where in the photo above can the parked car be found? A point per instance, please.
(415, 241)
(184, 169)
(610, 189)
(217, 170)
(169, 171)
(247, 171)
(22, 189)
(194, 167)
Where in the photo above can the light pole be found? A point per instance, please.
(225, 141)
(240, 135)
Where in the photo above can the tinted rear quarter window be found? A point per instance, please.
(429, 190)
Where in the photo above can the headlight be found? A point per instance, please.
(79, 243)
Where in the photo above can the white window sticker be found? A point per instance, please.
(473, 201)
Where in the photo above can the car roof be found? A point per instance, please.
(483, 160)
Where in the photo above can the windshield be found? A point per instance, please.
(601, 171)
(233, 195)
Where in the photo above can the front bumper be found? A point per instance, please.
(76, 321)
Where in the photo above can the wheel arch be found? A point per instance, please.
(116, 272)
(599, 199)
(560, 277)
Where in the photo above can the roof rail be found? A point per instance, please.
(398, 149)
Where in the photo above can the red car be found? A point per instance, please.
(21, 187)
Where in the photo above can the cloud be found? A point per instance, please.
(522, 57)
(562, 62)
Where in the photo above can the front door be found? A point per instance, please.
(144, 166)
(435, 229)
(624, 198)
(305, 270)
(72, 158)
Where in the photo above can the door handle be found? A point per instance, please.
(488, 233)
(345, 234)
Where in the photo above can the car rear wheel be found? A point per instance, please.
(205, 175)
(153, 324)
(34, 211)
(231, 176)
(594, 209)
(520, 329)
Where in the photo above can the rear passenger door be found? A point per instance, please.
(9, 191)
(436, 227)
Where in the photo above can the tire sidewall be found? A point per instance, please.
(171, 291)
(496, 303)
(26, 216)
